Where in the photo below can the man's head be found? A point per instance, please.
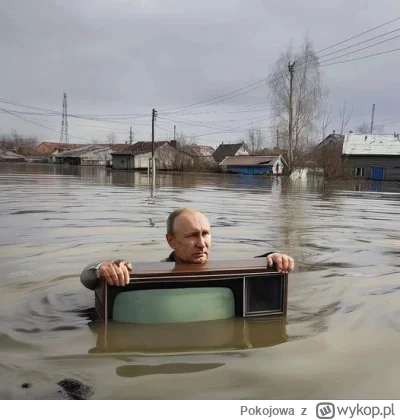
(189, 235)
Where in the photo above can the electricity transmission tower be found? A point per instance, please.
(64, 138)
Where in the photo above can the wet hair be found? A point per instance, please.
(172, 217)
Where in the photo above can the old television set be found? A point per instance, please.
(169, 292)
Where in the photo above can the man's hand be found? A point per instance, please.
(283, 263)
(116, 273)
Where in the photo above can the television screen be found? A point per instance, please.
(162, 293)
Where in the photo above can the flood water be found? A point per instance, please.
(341, 335)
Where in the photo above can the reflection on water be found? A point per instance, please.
(132, 371)
(227, 334)
(339, 339)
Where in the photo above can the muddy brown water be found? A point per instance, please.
(341, 335)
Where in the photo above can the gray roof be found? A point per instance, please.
(331, 139)
(224, 150)
(249, 160)
(94, 152)
(371, 144)
(204, 151)
(139, 148)
(9, 155)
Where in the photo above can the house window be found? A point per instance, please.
(360, 171)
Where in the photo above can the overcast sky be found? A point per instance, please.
(125, 57)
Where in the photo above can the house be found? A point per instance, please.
(196, 157)
(331, 141)
(48, 148)
(9, 156)
(89, 155)
(31, 155)
(224, 150)
(204, 153)
(254, 165)
(117, 147)
(138, 155)
(373, 156)
(326, 157)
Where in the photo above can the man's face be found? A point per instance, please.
(192, 238)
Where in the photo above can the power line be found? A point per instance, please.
(343, 61)
(389, 123)
(39, 125)
(360, 49)
(95, 117)
(202, 123)
(104, 120)
(326, 61)
(359, 43)
(266, 79)
(233, 129)
(358, 35)
(361, 58)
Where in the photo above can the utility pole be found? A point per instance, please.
(64, 138)
(130, 136)
(372, 118)
(153, 119)
(291, 71)
(277, 138)
(174, 132)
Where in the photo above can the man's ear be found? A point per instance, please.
(170, 240)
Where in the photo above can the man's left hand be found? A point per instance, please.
(282, 262)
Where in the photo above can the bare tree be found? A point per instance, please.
(14, 141)
(304, 99)
(379, 129)
(175, 158)
(326, 119)
(329, 158)
(344, 117)
(365, 128)
(184, 156)
(111, 137)
(255, 141)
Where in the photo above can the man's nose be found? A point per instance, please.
(201, 242)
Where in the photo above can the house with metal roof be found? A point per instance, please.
(90, 155)
(49, 147)
(372, 156)
(10, 156)
(224, 150)
(330, 140)
(195, 157)
(254, 165)
(138, 155)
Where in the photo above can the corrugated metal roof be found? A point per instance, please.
(95, 151)
(28, 151)
(197, 151)
(203, 150)
(249, 160)
(139, 148)
(224, 150)
(9, 155)
(53, 146)
(371, 144)
(330, 140)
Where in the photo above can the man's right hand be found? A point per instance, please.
(116, 273)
